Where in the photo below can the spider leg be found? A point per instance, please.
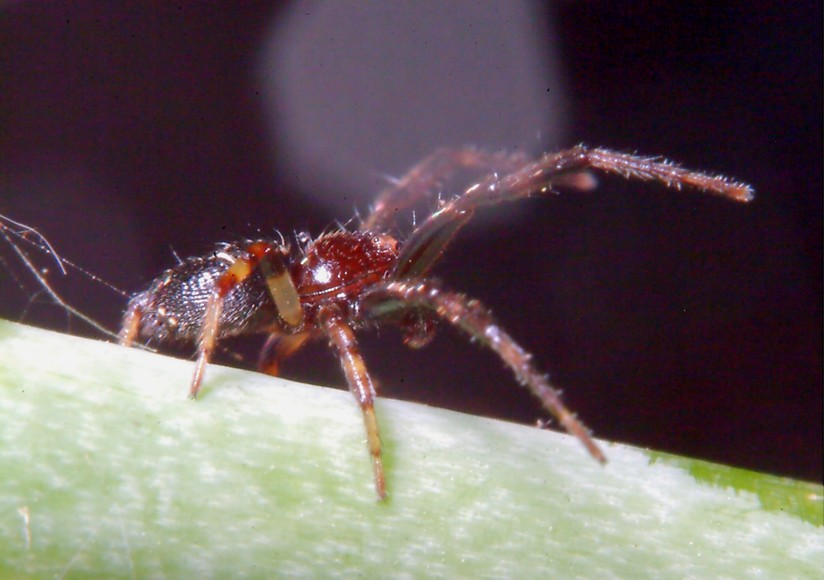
(428, 176)
(342, 339)
(429, 241)
(269, 261)
(279, 347)
(131, 321)
(239, 271)
(473, 318)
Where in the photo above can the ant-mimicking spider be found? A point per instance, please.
(345, 281)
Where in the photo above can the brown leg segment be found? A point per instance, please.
(131, 323)
(472, 317)
(563, 169)
(427, 177)
(236, 274)
(278, 348)
(343, 340)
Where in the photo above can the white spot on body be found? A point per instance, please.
(322, 274)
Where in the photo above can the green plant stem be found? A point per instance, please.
(109, 469)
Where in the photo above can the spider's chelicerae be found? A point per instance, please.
(344, 281)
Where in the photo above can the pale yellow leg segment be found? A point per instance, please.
(373, 440)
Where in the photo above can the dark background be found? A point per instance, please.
(672, 321)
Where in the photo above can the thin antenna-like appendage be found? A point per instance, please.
(46, 247)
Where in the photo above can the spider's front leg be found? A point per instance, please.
(385, 300)
(342, 339)
(428, 177)
(563, 169)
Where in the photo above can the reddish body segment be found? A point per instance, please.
(344, 281)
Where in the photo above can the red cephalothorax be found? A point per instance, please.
(346, 280)
(339, 265)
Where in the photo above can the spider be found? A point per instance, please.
(345, 281)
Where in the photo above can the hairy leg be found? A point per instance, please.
(342, 339)
(473, 318)
(428, 242)
(428, 176)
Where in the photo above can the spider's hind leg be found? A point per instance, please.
(130, 326)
